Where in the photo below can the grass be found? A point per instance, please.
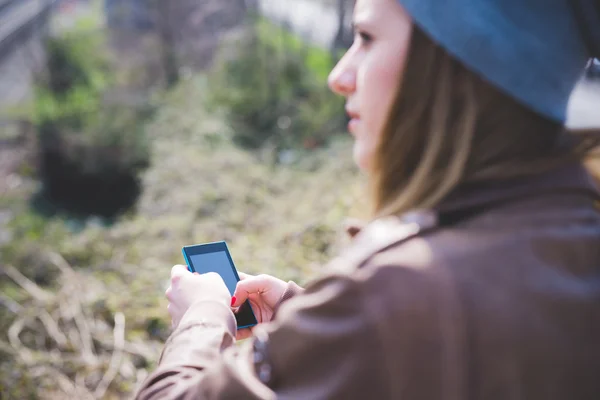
(283, 221)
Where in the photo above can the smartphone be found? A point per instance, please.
(215, 257)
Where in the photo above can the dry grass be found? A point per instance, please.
(83, 303)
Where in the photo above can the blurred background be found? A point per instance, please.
(130, 128)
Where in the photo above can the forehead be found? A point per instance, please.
(375, 10)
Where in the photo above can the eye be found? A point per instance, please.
(364, 37)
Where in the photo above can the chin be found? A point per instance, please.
(362, 158)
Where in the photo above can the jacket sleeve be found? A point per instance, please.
(323, 344)
(292, 290)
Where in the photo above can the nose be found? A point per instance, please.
(342, 79)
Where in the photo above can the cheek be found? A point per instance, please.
(385, 84)
(379, 86)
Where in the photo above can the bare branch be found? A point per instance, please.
(117, 355)
(86, 337)
(29, 286)
(78, 315)
(7, 348)
(13, 337)
(58, 261)
(53, 329)
(10, 304)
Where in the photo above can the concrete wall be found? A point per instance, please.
(315, 21)
(17, 70)
(23, 25)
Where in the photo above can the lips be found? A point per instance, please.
(352, 114)
(354, 119)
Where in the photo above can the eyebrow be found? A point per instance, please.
(357, 25)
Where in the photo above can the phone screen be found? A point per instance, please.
(219, 262)
(216, 262)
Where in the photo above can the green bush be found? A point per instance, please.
(86, 142)
(272, 89)
(76, 59)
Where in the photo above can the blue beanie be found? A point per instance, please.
(534, 50)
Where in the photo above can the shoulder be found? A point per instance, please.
(413, 243)
(410, 260)
(417, 242)
(412, 300)
(394, 261)
(384, 235)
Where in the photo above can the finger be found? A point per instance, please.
(168, 293)
(244, 276)
(254, 284)
(178, 271)
(213, 277)
(243, 334)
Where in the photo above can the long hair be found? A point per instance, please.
(448, 127)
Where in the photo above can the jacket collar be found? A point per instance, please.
(573, 178)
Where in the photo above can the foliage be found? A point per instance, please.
(111, 278)
(83, 313)
(84, 138)
(272, 88)
(75, 59)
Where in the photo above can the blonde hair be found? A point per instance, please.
(448, 127)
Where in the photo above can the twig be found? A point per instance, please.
(9, 303)
(80, 382)
(13, 337)
(140, 378)
(78, 314)
(7, 348)
(53, 329)
(86, 336)
(34, 290)
(115, 361)
(66, 385)
(71, 390)
(61, 264)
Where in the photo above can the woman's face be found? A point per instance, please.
(369, 73)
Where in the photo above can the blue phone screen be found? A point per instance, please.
(216, 262)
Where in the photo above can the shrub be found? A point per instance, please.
(76, 60)
(272, 89)
(91, 152)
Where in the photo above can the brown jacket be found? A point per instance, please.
(495, 295)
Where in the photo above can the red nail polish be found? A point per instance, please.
(233, 299)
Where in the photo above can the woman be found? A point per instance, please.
(479, 274)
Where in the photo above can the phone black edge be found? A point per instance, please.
(184, 251)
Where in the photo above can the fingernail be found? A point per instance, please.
(233, 300)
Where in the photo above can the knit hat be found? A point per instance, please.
(534, 50)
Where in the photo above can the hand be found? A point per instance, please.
(264, 292)
(187, 288)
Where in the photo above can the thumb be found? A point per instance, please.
(254, 284)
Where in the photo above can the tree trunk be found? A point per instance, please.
(339, 41)
(167, 41)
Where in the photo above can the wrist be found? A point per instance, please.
(209, 312)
